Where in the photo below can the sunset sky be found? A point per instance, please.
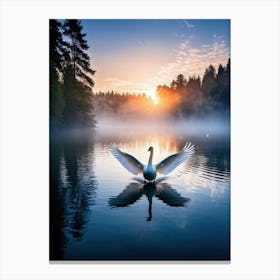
(138, 55)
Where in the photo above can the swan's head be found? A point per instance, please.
(150, 149)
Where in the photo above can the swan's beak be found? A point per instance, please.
(149, 149)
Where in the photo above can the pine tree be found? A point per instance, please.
(77, 78)
(221, 76)
(56, 56)
(209, 81)
(180, 83)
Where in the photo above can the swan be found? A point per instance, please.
(150, 170)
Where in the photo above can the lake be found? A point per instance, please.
(99, 211)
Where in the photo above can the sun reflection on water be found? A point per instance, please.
(198, 173)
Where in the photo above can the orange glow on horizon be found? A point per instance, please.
(153, 95)
(168, 99)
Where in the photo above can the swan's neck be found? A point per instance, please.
(150, 163)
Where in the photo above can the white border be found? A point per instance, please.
(255, 138)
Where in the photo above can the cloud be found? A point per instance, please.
(185, 58)
(116, 82)
(194, 60)
(121, 86)
(184, 45)
(188, 24)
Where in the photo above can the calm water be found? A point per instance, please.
(99, 211)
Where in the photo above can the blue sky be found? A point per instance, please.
(138, 55)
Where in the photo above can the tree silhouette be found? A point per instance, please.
(193, 96)
(209, 81)
(211, 96)
(77, 78)
(179, 84)
(182, 99)
(79, 61)
(216, 89)
(71, 98)
(56, 57)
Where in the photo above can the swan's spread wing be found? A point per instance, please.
(132, 164)
(171, 162)
(170, 196)
(128, 196)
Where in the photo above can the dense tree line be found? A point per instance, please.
(183, 98)
(71, 98)
(196, 97)
(122, 105)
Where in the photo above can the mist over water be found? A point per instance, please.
(211, 127)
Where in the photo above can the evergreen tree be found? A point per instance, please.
(200, 98)
(226, 99)
(221, 76)
(194, 95)
(180, 83)
(172, 85)
(56, 56)
(77, 78)
(209, 81)
(228, 68)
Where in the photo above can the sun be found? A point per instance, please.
(155, 100)
(152, 93)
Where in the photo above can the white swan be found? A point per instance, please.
(150, 171)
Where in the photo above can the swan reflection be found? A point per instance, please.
(160, 189)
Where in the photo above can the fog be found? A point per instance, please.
(197, 127)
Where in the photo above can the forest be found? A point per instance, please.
(74, 104)
(183, 98)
